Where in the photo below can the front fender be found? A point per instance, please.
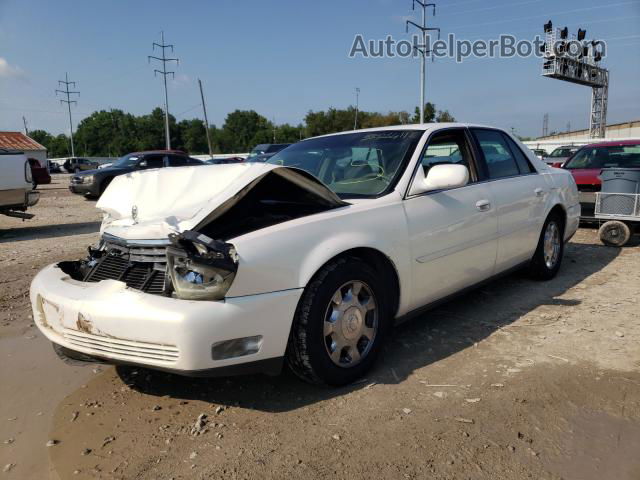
(287, 255)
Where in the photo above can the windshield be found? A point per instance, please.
(126, 161)
(362, 164)
(622, 156)
(561, 152)
(259, 150)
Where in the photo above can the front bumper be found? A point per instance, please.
(111, 322)
(82, 188)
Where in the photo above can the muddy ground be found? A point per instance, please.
(515, 380)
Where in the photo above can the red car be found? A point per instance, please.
(586, 164)
(39, 173)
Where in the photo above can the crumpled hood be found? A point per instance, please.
(153, 203)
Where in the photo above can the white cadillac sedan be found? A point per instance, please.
(310, 258)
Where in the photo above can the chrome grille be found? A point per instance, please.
(139, 266)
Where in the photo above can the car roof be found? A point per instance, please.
(614, 143)
(147, 152)
(415, 126)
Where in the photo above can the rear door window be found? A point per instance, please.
(498, 158)
(178, 161)
(523, 163)
(154, 161)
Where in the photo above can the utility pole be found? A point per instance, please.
(545, 125)
(162, 46)
(355, 122)
(206, 120)
(273, 121)
(26, 130)
(422, 48)
(68, 101)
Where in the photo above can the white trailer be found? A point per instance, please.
(16, 185)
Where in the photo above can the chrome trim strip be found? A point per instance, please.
(107, 237)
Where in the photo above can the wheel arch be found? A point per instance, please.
(559, 210)
(381, 262)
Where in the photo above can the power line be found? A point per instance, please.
(66, 82)
(566, 12)
(164, 74)
(423, 47)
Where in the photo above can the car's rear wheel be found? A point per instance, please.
(614, 233)
(340, 325)
(548, 256)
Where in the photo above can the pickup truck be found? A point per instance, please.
(16, 185)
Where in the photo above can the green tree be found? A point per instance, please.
(107, 133)
(242, 130)
(150, 130)
(193, 136)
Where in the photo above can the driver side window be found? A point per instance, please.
(445, 148)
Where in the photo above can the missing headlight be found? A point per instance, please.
(200, 267)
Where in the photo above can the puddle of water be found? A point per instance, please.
(33, 381)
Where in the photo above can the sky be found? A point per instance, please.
(284, 58)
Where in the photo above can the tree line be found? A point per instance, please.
(112, 133)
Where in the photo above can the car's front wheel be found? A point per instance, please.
(341, 323)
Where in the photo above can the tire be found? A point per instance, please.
(546, 262)
(614, 233)
(365, 324)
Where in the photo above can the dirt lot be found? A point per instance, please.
(516, 380)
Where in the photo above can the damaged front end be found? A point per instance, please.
(189, 265)
(189, 256)
(200, 268)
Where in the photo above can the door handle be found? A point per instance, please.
(539, 192)
(483, 205)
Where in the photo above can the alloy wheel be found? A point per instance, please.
(350, 323)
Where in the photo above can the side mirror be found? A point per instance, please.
(143, 164)
(440, 177)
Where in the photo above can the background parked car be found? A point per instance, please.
(264, 151)
(225, 161)
(39, 173)
(94, 182)
(16, 193)
(559, 156)
(76, 165)
(587, 164)
(540, 153)
(55, 167)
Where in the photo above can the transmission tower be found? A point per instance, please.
(68, 101)
(545, 125)
(162, 46)
(422, 48)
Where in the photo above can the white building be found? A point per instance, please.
(616, 131)
(19, 141)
